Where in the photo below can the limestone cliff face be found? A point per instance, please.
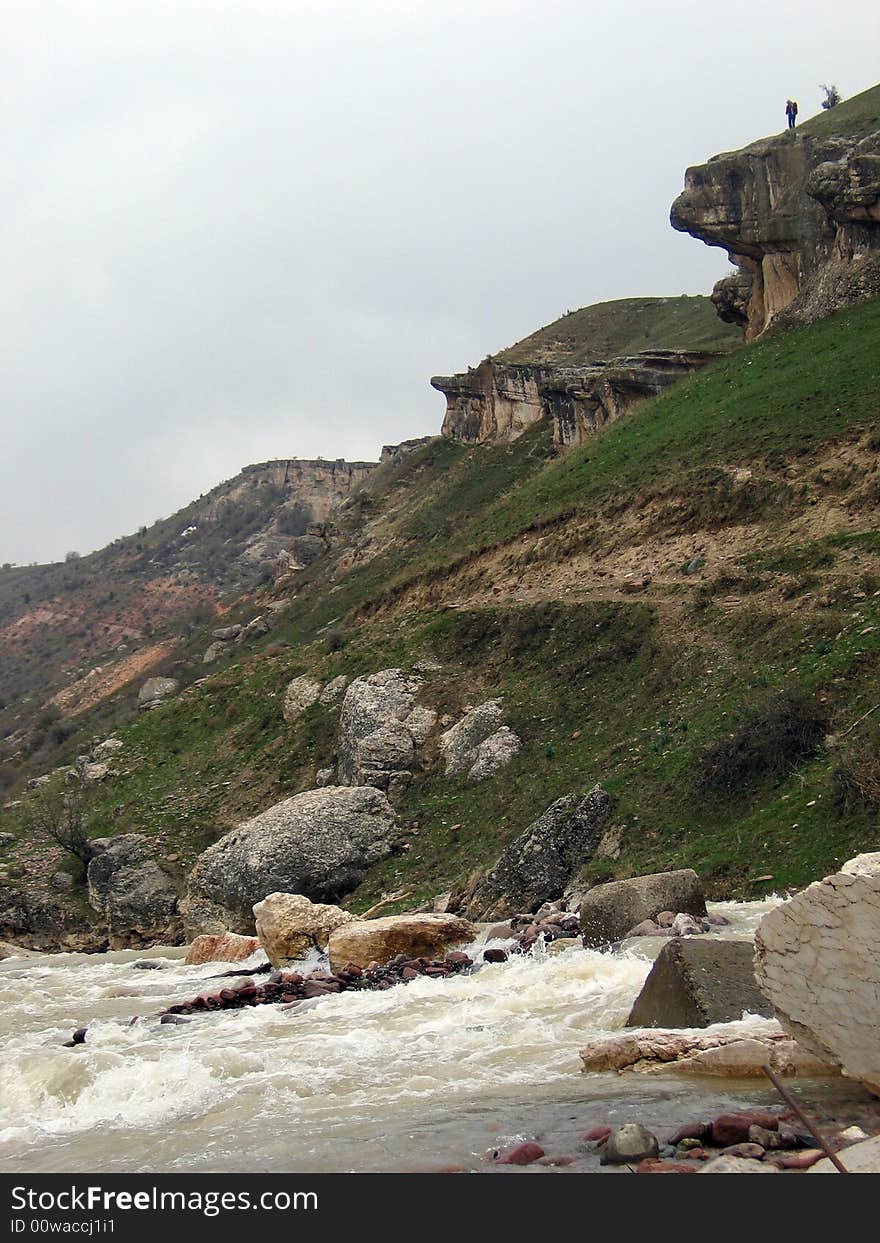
(496, 402)
(799, 216)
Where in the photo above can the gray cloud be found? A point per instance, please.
(235, 230)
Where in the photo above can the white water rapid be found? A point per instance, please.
(430, 1074)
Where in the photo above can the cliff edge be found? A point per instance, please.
(798, 214)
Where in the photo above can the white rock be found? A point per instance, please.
(301, 693)
(818, 961)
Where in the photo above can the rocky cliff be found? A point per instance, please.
(497, 402)
(584, 370)
(798, 214)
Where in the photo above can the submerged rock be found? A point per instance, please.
(627, 1144)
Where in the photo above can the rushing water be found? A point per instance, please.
(429, 1074)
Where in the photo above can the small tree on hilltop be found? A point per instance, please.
(63, 816)
(832, 96)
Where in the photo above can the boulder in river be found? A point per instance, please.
(609, 911)
(379, 940)
(818, 961)
(128, 888)
(289, 925)
(695, 982)
(222, 947)
(627, 1144)
(319, 843)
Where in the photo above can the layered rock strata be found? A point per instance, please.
(799, 217)
(497, 402)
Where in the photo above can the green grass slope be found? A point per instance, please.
(737, 735)
(626, 326)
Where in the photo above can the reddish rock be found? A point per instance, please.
(458, 958)
(598, 1134)
(410, 973)
(733, 1128)
(494, 955)
(522, 1154)
(655, 1165)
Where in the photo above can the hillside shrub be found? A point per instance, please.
(768, 742)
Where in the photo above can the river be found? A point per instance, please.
(428, 1075)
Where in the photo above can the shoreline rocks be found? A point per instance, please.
(695, 982)
(818, 961)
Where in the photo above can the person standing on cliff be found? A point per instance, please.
(791, 112)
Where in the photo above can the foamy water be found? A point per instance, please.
(430, 1073)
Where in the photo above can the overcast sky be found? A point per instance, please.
(234, 230)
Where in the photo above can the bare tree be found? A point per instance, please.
(832, 96)
(62, 814)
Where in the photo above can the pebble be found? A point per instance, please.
(522, 1154)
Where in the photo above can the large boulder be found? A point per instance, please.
(380, 940)
(818, 961)
(155, 691)
(225, 947)
(289, 925)
(609, 911)
(479, 744)
(319, 843)
(127, 887)
(301, 693)
(695, 982)
(537, 866)
(380, 728)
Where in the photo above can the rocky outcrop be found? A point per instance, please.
(730, 1050)
(609, 911)
(155, 691)
(319, 843)
(301, 693)
(380, 940)
(695, 982)
(496, 402)
(137, 900)
(225, 947)
(479, 744)
(537, 866)
(380, 729)
(799, 216)
(289, 925)
(395, 454)
(818, 961)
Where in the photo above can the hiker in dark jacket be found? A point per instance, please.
(791, 112)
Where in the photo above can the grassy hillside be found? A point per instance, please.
(686, 609)
(854, 117)
(626, 326)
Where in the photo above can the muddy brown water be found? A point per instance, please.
(428, 1075)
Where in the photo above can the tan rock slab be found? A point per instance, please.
(220, 947)
(379, 940)
(289, 925)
